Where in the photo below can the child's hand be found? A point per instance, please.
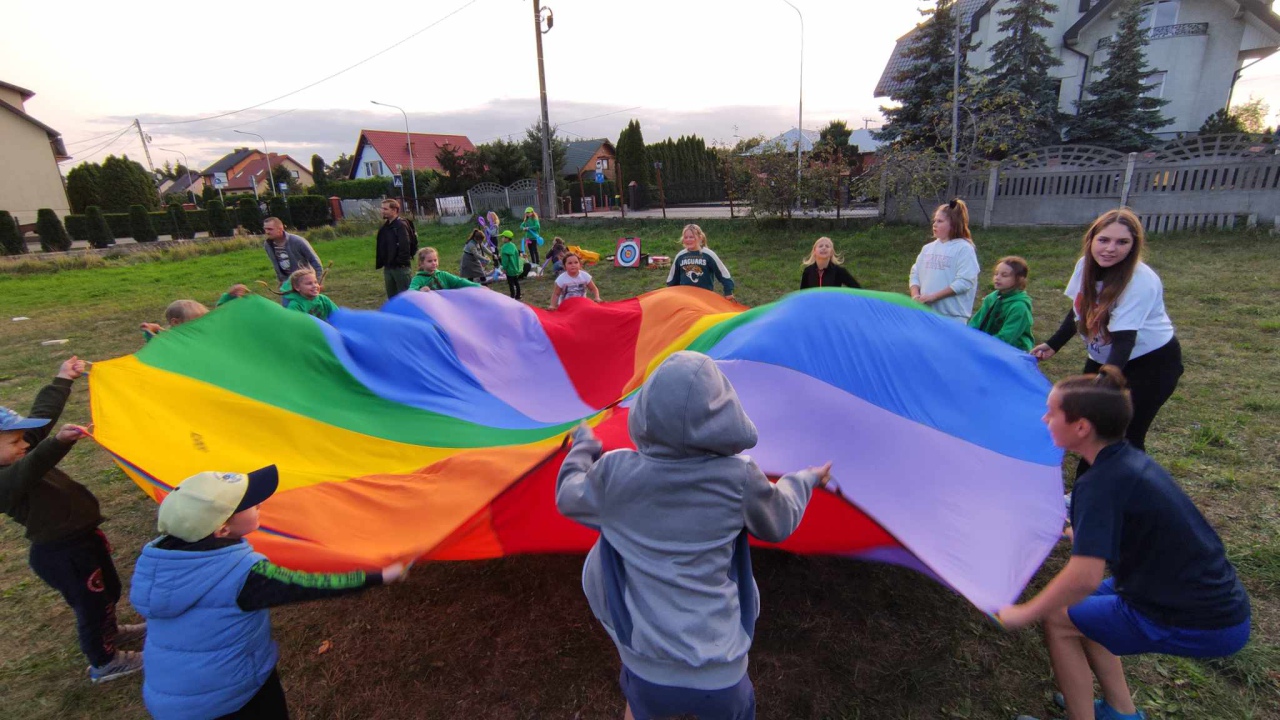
(238, 291)
(823, 473)
(1043, 351)
(1068, 534)
(583, 433)
(68, 434)
(1015, 617)
(72, 368)
(395, 572)
(153, 328)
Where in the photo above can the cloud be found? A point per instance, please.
(329, 133)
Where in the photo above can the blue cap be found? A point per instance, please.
(10, 420)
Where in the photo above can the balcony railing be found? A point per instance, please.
(1165, 32)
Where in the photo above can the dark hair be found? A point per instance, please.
(1101, 398)
(958, 216)
(1095, 305)
(1019, 268)
(477, 235)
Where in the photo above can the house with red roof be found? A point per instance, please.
(383, 153)
(245, 170)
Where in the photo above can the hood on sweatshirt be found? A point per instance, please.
(168, 583)
(688, 408)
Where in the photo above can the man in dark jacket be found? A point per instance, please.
(394, 249)
(61, 517)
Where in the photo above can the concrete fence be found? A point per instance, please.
(1225, 181)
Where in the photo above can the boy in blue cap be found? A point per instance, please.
(61, 517)
(206, 593)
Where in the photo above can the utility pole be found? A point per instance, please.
(662, 193)
(145, 150)
(548, 172)
(955, 93)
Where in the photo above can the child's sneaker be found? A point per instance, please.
(126, 662)
(127, 634)
(1103, 711)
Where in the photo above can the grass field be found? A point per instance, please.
(513, 638)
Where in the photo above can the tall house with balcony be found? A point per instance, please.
(1196, 48)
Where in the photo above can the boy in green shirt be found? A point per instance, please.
(430, 277)
(302, 293)
(512, 264)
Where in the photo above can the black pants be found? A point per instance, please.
(513, 282)
(267, 704)
(1152, 378)
(81, 569)
(532, 244)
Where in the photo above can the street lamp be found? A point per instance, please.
(270, 180)
(413, 175)
(548, 173)
(188, 166)
(800, 119)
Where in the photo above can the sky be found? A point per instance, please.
(715, 68)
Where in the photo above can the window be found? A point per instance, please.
(373, 168)
(1159, 14)
(295, 174)
(1155, 86)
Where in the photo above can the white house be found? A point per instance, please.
(1196, 47)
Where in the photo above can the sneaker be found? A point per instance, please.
(126, 662)
(1103, 711)
(127, 634)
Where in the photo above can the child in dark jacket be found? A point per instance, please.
(61, 516)
(206, 593)
(824, 268)
(1006, 313)
(697, 265)
(670, 577)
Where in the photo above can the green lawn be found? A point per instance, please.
(837, 639)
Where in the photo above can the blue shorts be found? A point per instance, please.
(649, 700)
(1105, 618)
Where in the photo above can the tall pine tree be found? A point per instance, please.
(925, 85)
(1018, 85)
(632, 155)
(1117, 114)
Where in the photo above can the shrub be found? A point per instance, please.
(99, 233)
(279, 207)
(179, 227)
(372, 188)
(140, 226)
(53, 237)
(220, 224)
(249, 216)
(11, 241)
(309, 211)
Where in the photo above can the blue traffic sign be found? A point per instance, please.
(599, 177)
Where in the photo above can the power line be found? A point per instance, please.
(593, 117)
(557, 126)
(104, 145)
(324, 79)
(96, 137)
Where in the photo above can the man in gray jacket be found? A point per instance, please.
(670, 577)
(288, 252)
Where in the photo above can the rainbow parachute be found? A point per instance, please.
(434, 427)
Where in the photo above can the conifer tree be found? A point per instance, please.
(53, 236)
(925, 85)
(1018, 82)
(1116, 114)
(83, 186)
(140, 225)
(11, 240)
(220, 224)
(100, 235)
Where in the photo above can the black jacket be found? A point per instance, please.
(393, 248)
(834, 276)
(34, 492)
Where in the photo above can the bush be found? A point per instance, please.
(53, 237)
(278, 207)
(249, 216)
(179, 227)
(219, 223)
(309, 211)
(11, 241)
(121, 224)
(372, 188)
(140, 226)
(99, 233)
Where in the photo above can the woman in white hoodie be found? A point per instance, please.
(670, 577)
(945, 274)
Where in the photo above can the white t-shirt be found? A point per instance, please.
(572, 287)
(1140, 307)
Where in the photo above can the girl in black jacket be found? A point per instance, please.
(823, 268)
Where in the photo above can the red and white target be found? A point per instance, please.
(628, 254)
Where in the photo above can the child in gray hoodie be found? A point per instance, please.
(670, 577)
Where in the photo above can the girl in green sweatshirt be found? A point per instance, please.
(1006, 313)
(302, 292)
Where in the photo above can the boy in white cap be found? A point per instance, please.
(205, 593)
(61, 518)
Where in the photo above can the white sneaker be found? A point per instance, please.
(126, 662)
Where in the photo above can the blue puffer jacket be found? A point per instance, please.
(204, 656)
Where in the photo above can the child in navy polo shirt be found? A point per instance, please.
(1172, 590)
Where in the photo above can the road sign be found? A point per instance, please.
(282, 186)
(398, 181)
(599, 178)
(219, 181)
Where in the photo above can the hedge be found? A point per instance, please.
(122, 227)
(249, 216)
(99, 234)
(142, 230)
(309, 211)
(278, 207)
(53, 237)
(220, 224)
(11, 240)
(372, 188)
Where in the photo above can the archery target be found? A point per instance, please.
(628, 254)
